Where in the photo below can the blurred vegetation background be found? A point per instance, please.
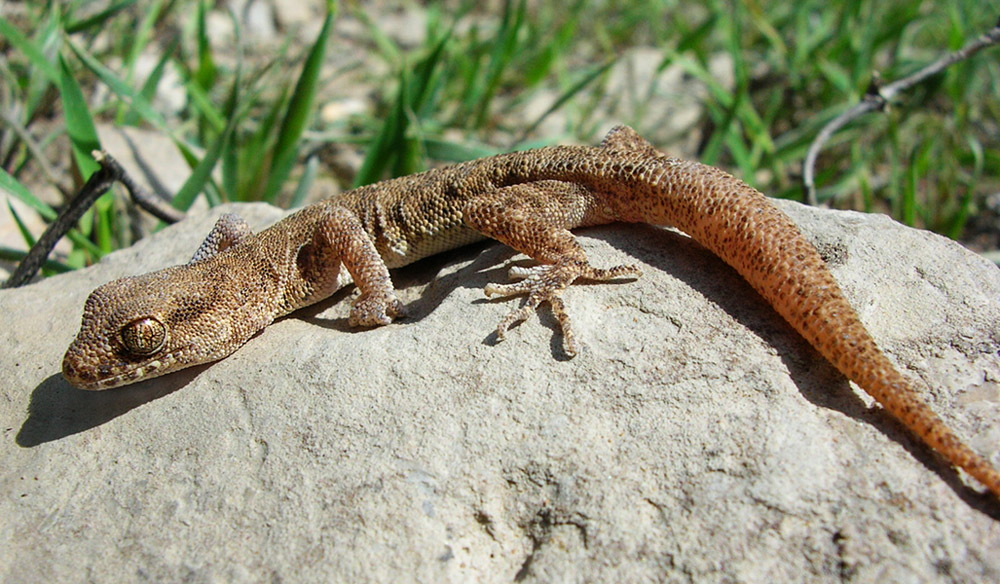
(288, 102)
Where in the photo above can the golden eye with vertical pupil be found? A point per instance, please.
(144, 336)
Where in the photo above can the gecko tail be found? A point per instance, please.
(899, 397)
(746, 230)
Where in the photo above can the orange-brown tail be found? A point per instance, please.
(746, 230)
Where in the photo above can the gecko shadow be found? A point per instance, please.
(57, 409)
(817, 379)
(421, 285)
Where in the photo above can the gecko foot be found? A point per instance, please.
(546, 283)
(375, 310)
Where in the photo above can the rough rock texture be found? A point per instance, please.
(696, 438)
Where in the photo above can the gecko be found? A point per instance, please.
(239, 282)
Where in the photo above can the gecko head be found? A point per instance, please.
(145, 326)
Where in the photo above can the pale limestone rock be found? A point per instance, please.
(696, 437)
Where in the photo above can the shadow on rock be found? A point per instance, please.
(818, 380)
(58, 409)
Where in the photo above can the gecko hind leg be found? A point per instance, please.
(535, 219)
(546, 283)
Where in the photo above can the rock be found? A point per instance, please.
(259, 18)
(304, 14)
(696, 437)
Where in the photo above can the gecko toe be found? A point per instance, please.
(544, 283)
(375, 310)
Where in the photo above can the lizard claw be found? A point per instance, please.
(375, 310)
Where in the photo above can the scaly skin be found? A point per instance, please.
(238, 283)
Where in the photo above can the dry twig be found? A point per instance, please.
(878, 97)
(99, 182)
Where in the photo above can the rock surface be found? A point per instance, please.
(696, 438)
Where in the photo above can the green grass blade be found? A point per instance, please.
(908, 201)
(207, 72)
(230, 167)
(425, 77)
(554, 51)
(17, 190)
(503, 51)
(230, 172)
(83, 244)
(34, 53)
(384, 45)
(21, 193)
(956, 226)
(121, 89)
(692, 39)
(836, 76)
(306, 182)
(104, 209)
(202, 103)
(29, 239)
(16, 255)
(299, 111)
(201, 174)
(148, 91)
(567, 95)
(391, 147)
(99, 19)
(254, 157)
(448, 151)
(723, 119)
(48, 39)
(387, 141)
(407, 157)
(138, 45)
(79, 123)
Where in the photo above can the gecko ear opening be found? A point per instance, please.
(143, 336)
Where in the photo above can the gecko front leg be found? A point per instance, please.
(377, 305)
(338, 239)
(535, 219)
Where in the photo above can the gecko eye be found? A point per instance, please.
(144, 336)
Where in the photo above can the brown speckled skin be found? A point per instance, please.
(238, 283)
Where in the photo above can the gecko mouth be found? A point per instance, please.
(85, 376)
